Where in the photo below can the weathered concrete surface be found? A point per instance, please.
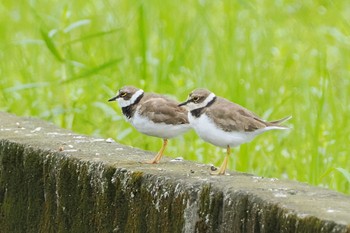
(53, 180)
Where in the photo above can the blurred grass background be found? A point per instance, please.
(62, 60)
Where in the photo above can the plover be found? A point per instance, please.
(223, 123)
(153, 114)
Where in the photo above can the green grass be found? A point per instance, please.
(62, 61)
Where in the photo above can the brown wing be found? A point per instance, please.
(163, 110)
(233, 117)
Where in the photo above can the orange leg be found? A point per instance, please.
(159, 155)
(223, 166)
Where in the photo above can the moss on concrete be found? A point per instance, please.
(95, 186)
(210, 201)
(14, 200)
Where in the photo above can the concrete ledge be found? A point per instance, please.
(53, 180)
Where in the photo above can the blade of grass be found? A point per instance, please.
(108, 110)
(143, 40)
(344, 172)
(50, 44)
(26, 86)
(94, 70)
(316, 162)
(76, 24)
(91, 36)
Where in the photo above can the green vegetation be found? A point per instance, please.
(62, 61)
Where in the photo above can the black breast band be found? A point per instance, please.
(198, 112)
(128, 110)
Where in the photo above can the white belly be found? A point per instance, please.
(209, 132)
(161, 130)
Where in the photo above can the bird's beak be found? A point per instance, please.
(114, 98)
(184, 103)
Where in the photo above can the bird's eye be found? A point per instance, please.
(195, 99)
(123, 94)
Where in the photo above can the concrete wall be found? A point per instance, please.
(53, 180)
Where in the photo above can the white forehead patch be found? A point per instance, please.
(124, 103)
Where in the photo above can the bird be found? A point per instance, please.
(152, 114)
(224, 123)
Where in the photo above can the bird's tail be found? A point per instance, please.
(278, 122)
